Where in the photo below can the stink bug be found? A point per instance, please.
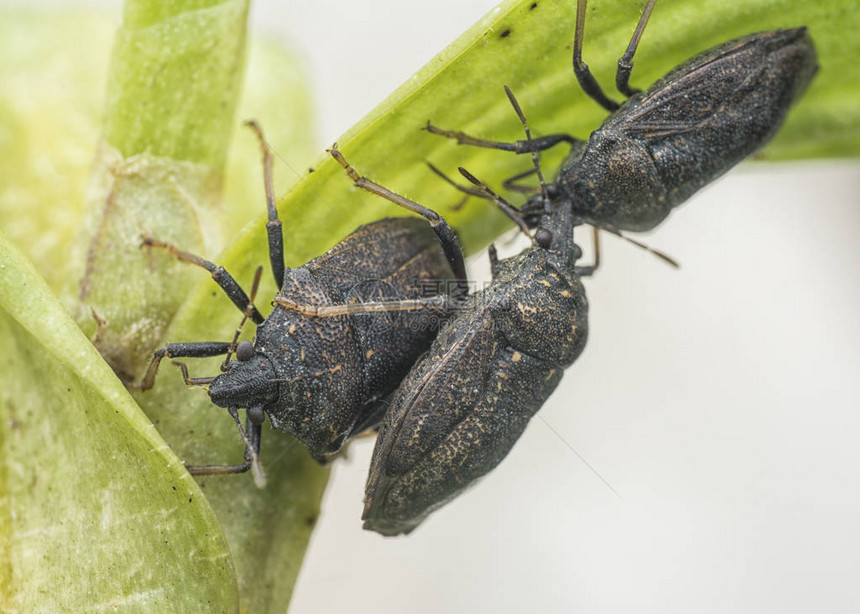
(660, 146)
(462, 407)
(320, 364)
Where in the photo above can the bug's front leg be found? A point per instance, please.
(205, 349)
(251, 435)
(519, 147)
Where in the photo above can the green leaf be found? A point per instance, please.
(172, 91)
(460, 89)
(50, 108)
(527, 46)
(174, 79)
(267, 531)
(97, 512)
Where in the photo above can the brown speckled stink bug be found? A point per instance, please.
(463, 405)
(320, 365)
(661, 146)
(466, 402)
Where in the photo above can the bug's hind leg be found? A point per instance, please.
(583, 74)
(446, 236)
(625, 63)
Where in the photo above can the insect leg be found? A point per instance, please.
(230, 286)
(251, 436)
(509, 184)
(583, 74)
(512, 183)
(446, 236)
(506, 207)
(178, 350)
(588, 270)
(494, 260)
(625, 63)
(273, 226)
(518, 147)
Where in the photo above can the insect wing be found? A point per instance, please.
(750, 81)
(392, 249)
(453, 419)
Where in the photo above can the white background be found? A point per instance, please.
(721, 402)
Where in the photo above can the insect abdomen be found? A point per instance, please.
(463, 406)
(687, 129)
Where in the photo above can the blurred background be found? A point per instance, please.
(702, 455)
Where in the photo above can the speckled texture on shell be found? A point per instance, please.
(463, 406)
(331, 371)
(686, 130)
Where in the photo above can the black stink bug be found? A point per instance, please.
(320, 364)
(662, 145)
(465, 403)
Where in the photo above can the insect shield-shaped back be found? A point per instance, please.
(331, 372)
(463, 406)
(689, 128)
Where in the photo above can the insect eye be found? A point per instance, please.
(543, 238)
(244, 351)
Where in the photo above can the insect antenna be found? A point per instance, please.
(535, 159)
(662, 256)
(247, 314)
(506, 207)
(462, 188)
(192, 381)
